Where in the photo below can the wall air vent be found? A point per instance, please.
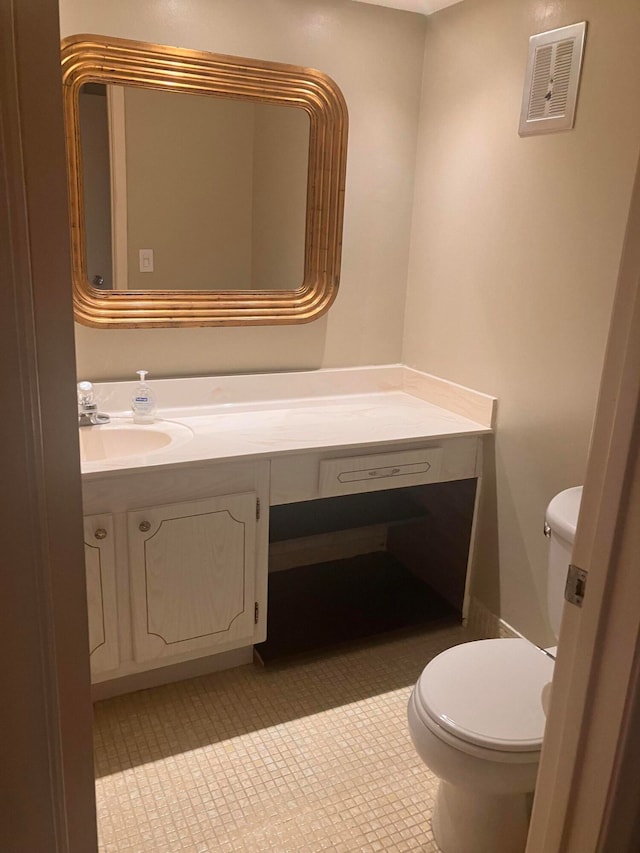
(551, 83)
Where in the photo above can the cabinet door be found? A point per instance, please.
(99, 555)
(192, 569)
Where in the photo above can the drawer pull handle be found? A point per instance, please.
(100, 533)
(144, 526)
(385, 472)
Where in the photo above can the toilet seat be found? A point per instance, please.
(487, 694)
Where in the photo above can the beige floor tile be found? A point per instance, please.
(307, 756)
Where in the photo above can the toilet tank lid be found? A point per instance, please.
(562, 513)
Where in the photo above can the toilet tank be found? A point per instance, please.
(561, 518)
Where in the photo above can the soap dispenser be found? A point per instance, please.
(143, 404)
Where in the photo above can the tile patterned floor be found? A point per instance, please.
(306, 756)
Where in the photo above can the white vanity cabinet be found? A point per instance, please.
(99, 555)
(192, 574)
(184, 556)
(382, 462)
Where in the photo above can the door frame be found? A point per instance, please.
(585, 777)
(48, 758)
(48, 800)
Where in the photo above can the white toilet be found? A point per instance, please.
(477, 717)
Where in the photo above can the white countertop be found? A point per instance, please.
(263, 428)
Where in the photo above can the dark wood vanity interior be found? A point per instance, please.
(414, 575)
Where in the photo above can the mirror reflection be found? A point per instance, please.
(190, 192)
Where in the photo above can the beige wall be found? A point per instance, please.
(375, 55)
(281, 159)
(515, 243)
(189, 190)
(514, 256)
(216, 188)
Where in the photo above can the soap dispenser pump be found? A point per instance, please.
(143, 404)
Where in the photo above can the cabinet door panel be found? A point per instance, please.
(193, 576)
(99, 553)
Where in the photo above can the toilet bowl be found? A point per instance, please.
(477, 716)
(476, 719)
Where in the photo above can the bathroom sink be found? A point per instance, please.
(122, 440)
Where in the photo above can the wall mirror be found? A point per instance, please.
(205, 189)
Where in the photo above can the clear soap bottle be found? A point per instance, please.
(143, 403)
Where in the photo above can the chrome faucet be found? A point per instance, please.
(88, 414)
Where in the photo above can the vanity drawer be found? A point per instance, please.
(351, 474)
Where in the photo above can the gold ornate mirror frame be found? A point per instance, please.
(98, 59)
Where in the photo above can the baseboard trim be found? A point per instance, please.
(485, 624)
(169, 674)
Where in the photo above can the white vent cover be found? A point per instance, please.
(551, 83)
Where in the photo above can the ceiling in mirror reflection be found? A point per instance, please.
(189, 192)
